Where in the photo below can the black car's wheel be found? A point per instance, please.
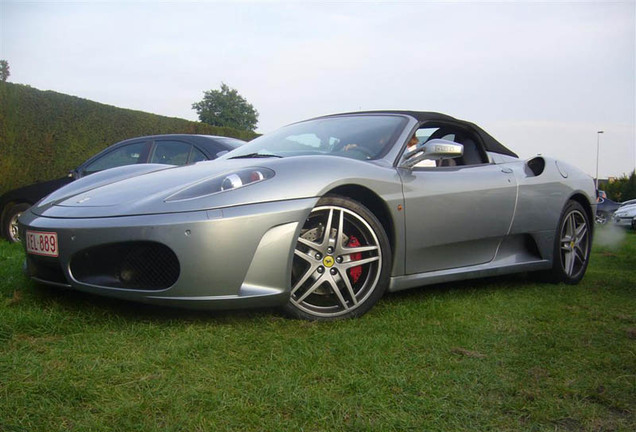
(572, 245)
(341, 263)
(601, 218)
(10, 221)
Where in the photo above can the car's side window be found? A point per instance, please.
(171, 152)
(423, 134)
(196, 156)
(126, 155)
(473, 155)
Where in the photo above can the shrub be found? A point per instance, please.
(44, 134)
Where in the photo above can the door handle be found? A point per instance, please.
(506, 170)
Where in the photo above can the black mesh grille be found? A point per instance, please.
(45, 269)
(133, 265)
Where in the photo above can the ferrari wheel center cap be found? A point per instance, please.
(328, 261)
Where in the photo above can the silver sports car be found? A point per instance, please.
(321, 218)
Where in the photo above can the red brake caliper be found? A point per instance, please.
(355, 272)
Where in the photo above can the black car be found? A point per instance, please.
(163, 149)
(605, 209)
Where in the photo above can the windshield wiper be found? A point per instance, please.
(256, 155)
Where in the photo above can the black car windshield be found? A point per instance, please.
(362, 137)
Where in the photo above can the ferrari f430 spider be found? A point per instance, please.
(320, 218)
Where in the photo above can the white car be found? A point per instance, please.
(628, 202)
(625, 216)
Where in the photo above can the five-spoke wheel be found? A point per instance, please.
(572, 245)
(341, 262)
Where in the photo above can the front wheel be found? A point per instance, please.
(572, 245)
(341, 262)
(10, 227)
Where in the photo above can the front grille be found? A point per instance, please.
(130, 265)
(45, 269)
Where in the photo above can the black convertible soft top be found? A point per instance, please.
(490, 144)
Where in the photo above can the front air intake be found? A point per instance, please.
(130, 265)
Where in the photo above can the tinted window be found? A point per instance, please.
(126, 155)
(424, 133)
(171, 152)
(197, 156)
(232, 143)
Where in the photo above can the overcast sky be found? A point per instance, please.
(541, 77)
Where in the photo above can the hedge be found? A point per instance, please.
(44, 134)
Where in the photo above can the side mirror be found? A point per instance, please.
(73, 174)
(436, 149)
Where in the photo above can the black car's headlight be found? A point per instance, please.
(223, 183)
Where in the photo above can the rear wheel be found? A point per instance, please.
(572, 245)
(341, 263)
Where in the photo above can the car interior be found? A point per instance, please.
(473, 152)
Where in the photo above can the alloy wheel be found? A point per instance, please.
(14, 233)
(338, 262)
(575, 247)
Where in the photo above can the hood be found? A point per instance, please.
(158, 192)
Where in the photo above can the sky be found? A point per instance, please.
(541, 77)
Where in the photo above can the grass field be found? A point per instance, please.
(504, 354)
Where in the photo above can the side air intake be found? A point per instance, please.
(535, 166)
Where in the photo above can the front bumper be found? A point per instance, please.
(227, 258)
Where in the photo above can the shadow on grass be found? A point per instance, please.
(92, 305)
(78, 302)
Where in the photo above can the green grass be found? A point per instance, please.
(494, 354)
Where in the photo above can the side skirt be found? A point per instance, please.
(399, 283)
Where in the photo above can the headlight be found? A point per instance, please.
(226, 182)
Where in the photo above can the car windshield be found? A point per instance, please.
(362, 137)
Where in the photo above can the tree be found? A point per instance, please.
(623, 188)
(226, 107)
(4, 70)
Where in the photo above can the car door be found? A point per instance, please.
(456, 216)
